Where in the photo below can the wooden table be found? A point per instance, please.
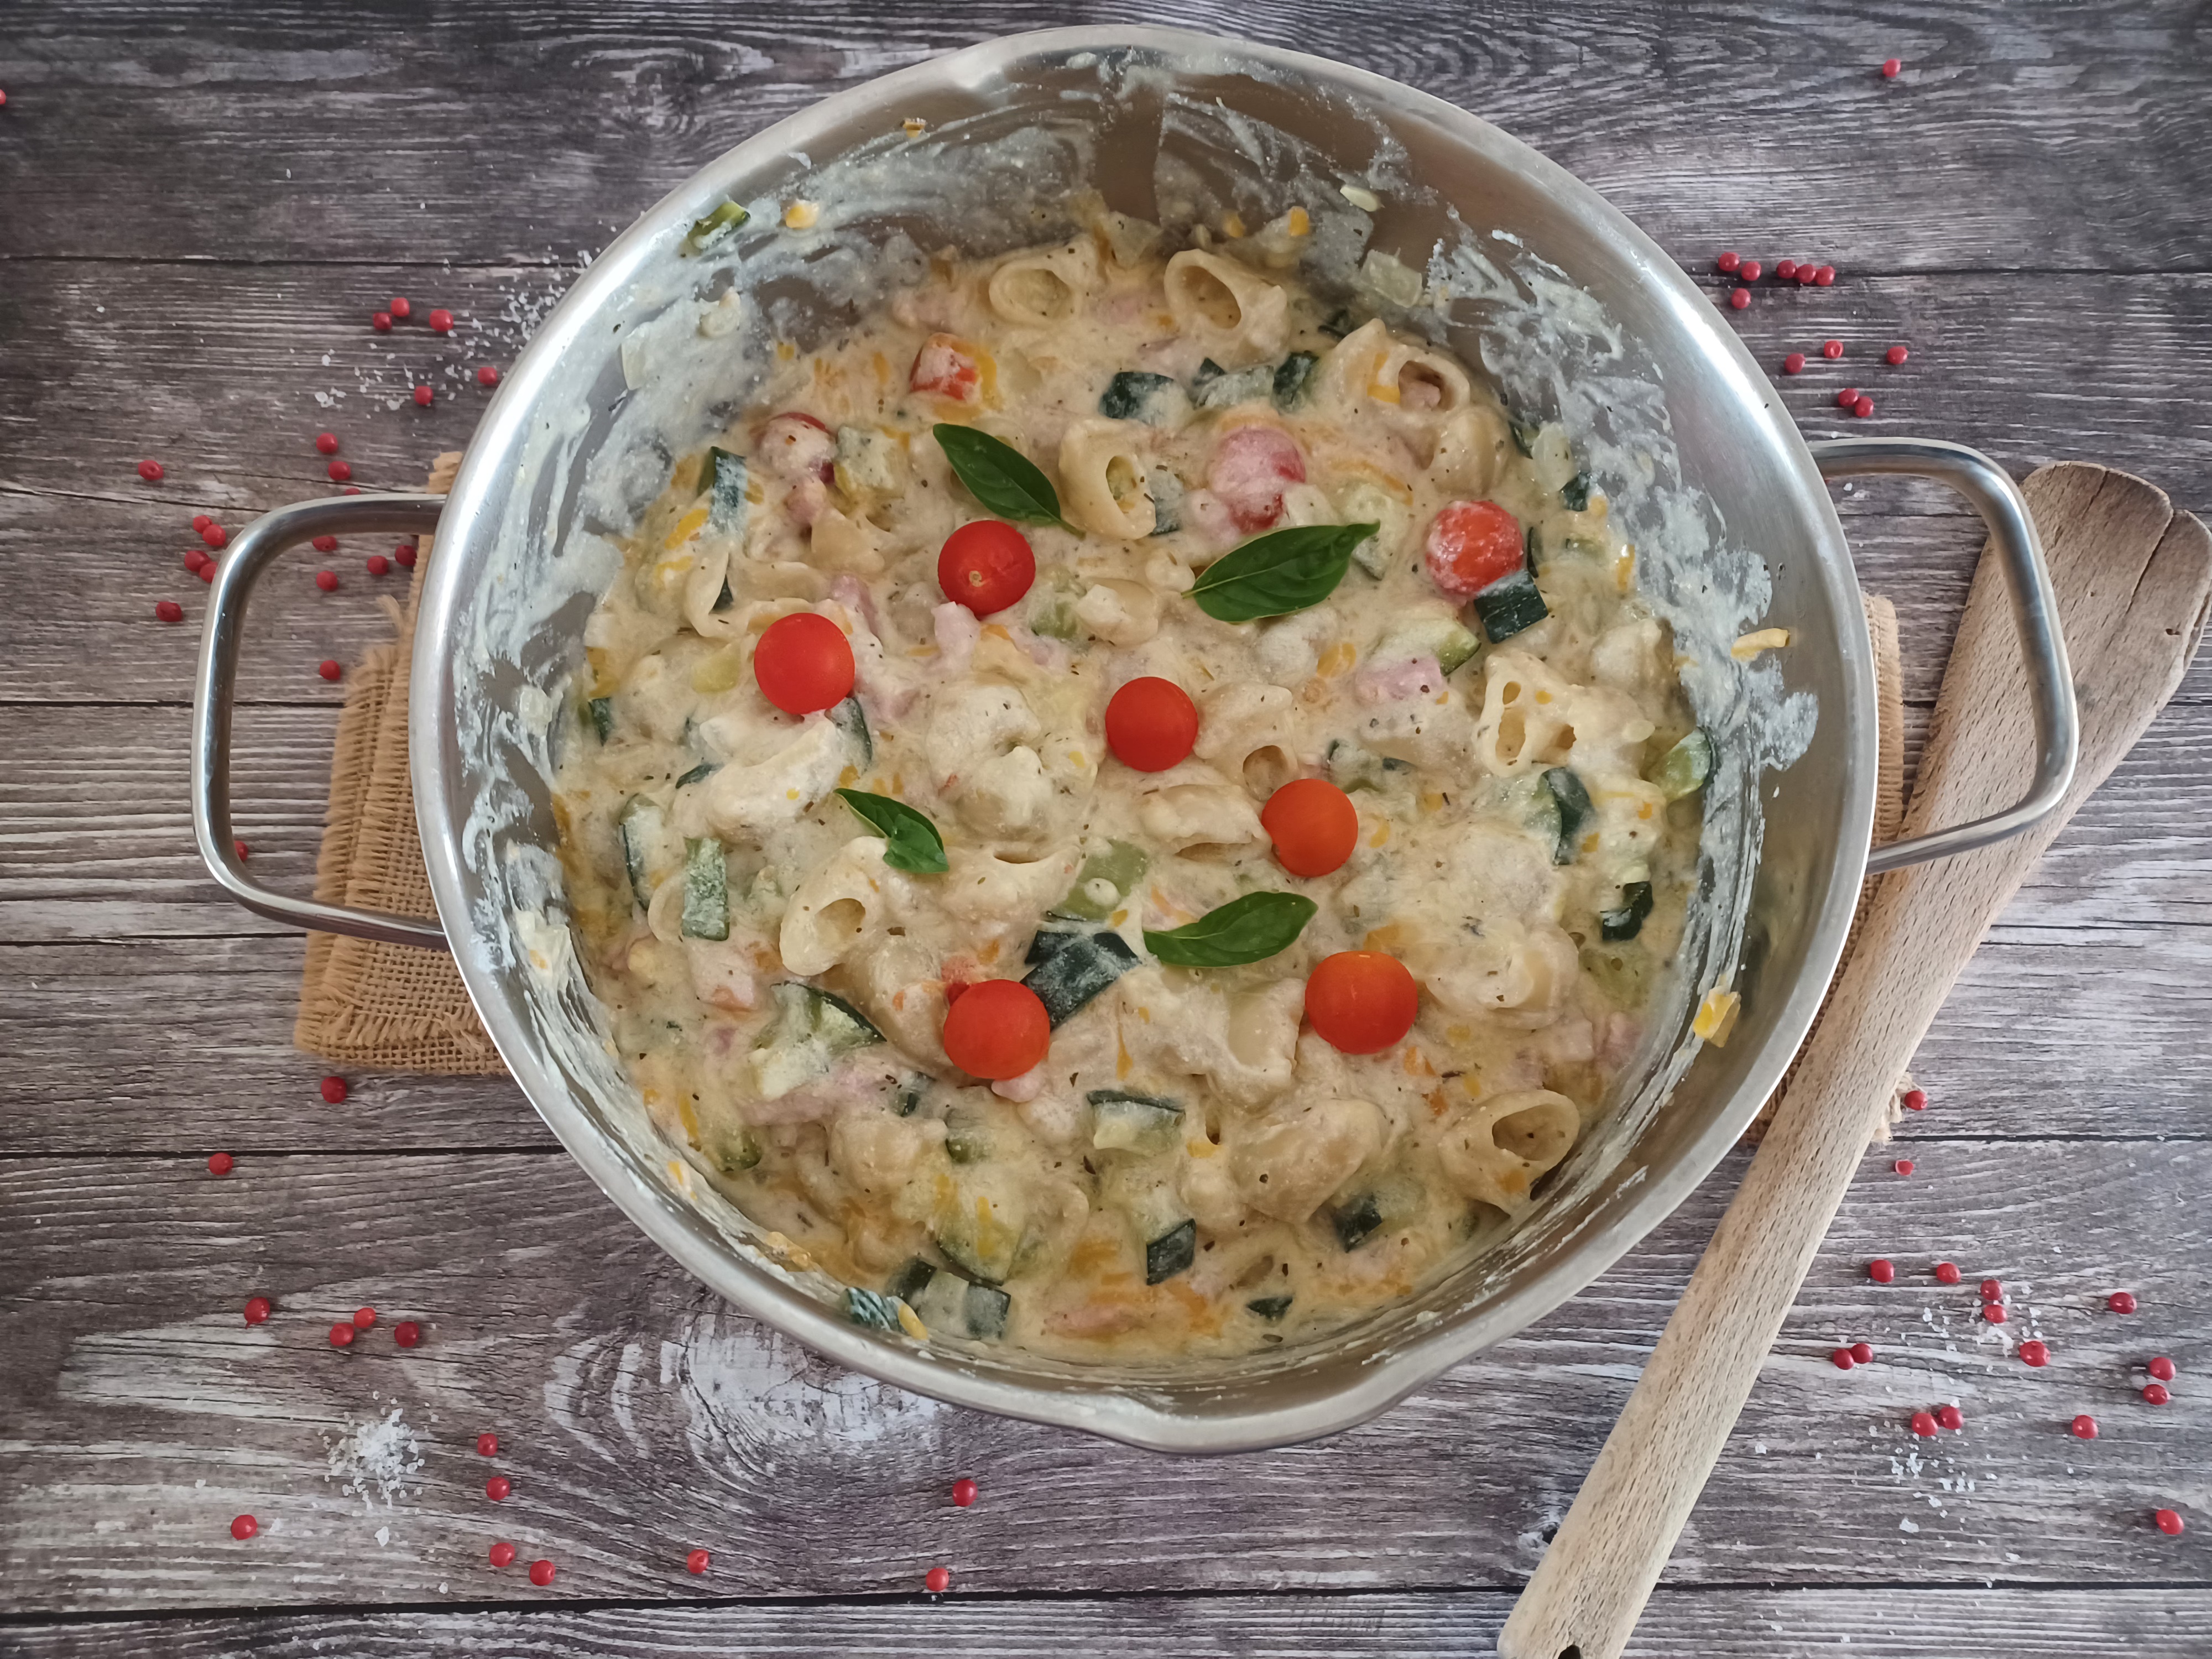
(200, 206)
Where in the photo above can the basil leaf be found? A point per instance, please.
(913, 844)
(1005, 480)
(1249, 929)
(1280, 572)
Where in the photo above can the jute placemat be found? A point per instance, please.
(399, 1008)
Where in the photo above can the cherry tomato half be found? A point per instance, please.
(944, 367)
(985, 566)
(1362, 1001)
(1152, 723)
(998, 1029)
(1314, 825)
(1471, 545)
(1250, 471)
(803, 663)
(796, 445)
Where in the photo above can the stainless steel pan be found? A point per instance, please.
(503, 607)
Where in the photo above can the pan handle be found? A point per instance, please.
(2035, 614)
(215, 689)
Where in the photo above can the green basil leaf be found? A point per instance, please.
(1249, 929)
(913, 845)
(1280, 572)
(1005, 480)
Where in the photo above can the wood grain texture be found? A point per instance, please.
(2132, 584)
(639, 1417)
(1882, 1623)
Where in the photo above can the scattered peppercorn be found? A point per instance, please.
(329, 669)
(400, 308)
(2155, 1394)
(1727, 263)
(1950, 1417)
(327, 581)
(2083, 1427)
(214, 535)
(939, 1580)
(486, 376)
(325, 543)
(221, 1163)
(1863, 408)
(1894, 356)
(1881, 1272)
(2121, 1301)
(1748, 271)
(169, 610)
(440, 321)
(696, 1562)
(1739, 298)
(502, 1554)
(541, 1573)
(377, 564)
(1947, 1272)
(963, 1493)
(1794, 364)
(1825, 277)
(340, 472)
(2035, 1353)
(1915, 1100)
(2161, 1368)
(1863, 1353)
(1923, 1425)
(342, 1336)
(257, 1309)
(487, 1445)
(497, 1488)
(1890, 68)
(334, 1088)
(381, 321)
(2168, 1522)
(150, 471)
(423, 396)
(244, 1527)
(1904, 1165)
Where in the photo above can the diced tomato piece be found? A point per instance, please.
(946, 367)
(1471, 545)
(793, 445)
(1251, 468)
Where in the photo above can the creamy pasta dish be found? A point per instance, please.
(1125, 809)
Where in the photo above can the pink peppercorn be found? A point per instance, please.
(406, 555)
(2035, 1353)
(206, 572)
(169, 610)
(2083, 1427)
(440, 321)
(243, 851)
(377, 564)
(400, 308)
(497, 1488)
(1863, 1353)
(486, 376)
(1748, 271)
(324, 543)
(1992, 1290)
(1847, 396)
(541, 1573)
(1950, 1417)
(244, 1527)
(487, 1445)
(1947, 1272)
(696, 1562)
(1923, 1425)
(364, 1318)
(1894, 356)
(342, 1336)
(327, 442)
(1785, 271)
(502, 1554)
(221, 1163)
(939, 1580)
(381, 321)
(1831, 349)
(334, 1089)
(1915, 1100)
(340, 472)
(2155, 1394)
(1806, 278)
(2121, 1301)
(327, 581)
(1890, 67)
(963, 1493)
(1728, 263)
(2169, 1523)
(150, 471)
(329, 669)
(1739, 299)
(1842, 1359)
(1904, 1165)
(201, 521)
(215, 536)
(1863, 407)
(257, 1309)
(423, 396)
(1825, 277)
(1994, 1312)
(1881, 1272)
(2161, 1368)
(1794, 364)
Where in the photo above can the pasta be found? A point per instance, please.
(1050, 776)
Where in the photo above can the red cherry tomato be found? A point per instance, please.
(1471, 545)
(945, 366)
(1314, 825)
(985, 566)
(998, 1029)
(803, 663)
(1362, 1000)
(1151, 724)
(793, 445)
(1250, 469)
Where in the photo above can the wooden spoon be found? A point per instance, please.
(2133, 579)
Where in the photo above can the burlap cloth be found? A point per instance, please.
(400, 1008)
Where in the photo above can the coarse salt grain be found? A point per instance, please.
(374, 1459)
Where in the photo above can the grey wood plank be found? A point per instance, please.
(1882, 1622)
(2040, 135)
(640, 1418)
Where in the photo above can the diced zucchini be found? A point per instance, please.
(872, 1308)
(1340, 324)
(1366, 501)
(1051, 607)
(1356, 1220)
(1167, 501)
(1171, 1253)
(1574, 494)
(1215, 387)
(986, 1307)
(954, 1306)
(1573, 801)
(1438, 636)
(600, 712)
(725, 505)
(1627, 921)
(967, 1135)
(1136, 394)
(852, 720)
(1293, 378)
(1125, 1122)
(1508, 605)
(699, 774)
(1685, 767)
(643, 830)
(1524, 433)
(813, 1031)
(910, 1093)
(909, 1282)
(1067, 968)
(1530, 549)
(868, 461)
(706, 889)
(1354, 766)
(975, 1238)
(1120, 868)
(1270, 1308)
(716, 227)
(735, 1151)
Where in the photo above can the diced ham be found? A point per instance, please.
(795, 445)
(945, 367)
(1395, 679)
(808, 496)
(958, 632)
(1250, 469)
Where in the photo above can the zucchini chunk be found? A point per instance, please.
(849, 718)
(967, 1135)
(1451, 645)
(1125, 1122)
(1683, 768)
(600, 711)
(726, 505)
(1574, 494)
(1121, 867)
(706, 889)
(1171, 1253)
(872, 1308)
(699, 774)
(908, 1282)
(1136, 394)
(1340, 324)
(1508, 605)
(947, 1303)
(1356, 1221)
(1573, 802)
(1627, 921)
(1293, 377)
(1215, 387)
(813, 1031)
(735, 1153)
(1167, 501)
(1066, 969)
(1270, 1308)
(646, 848)
(910, 1093)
